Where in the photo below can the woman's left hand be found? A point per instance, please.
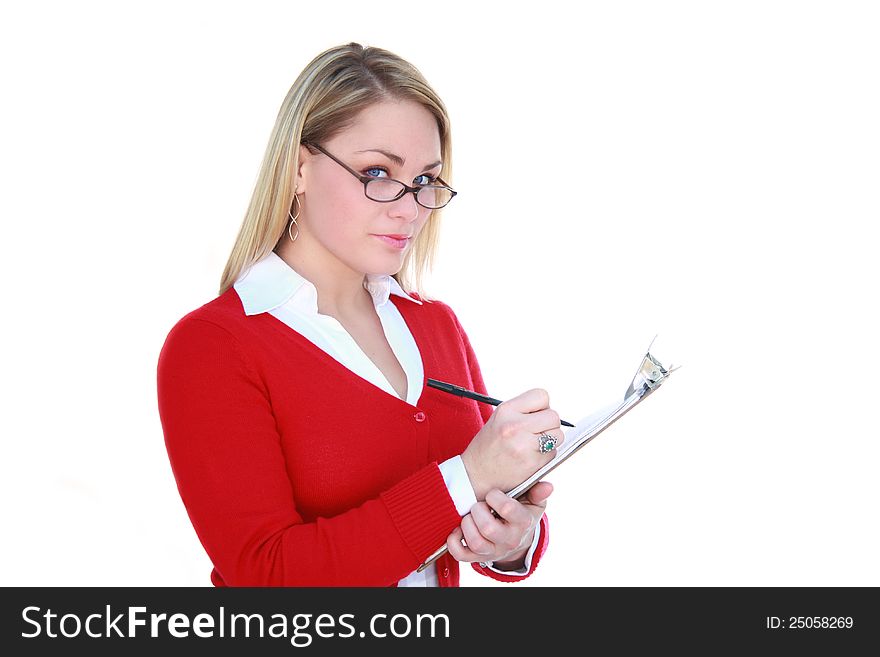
(504, 540)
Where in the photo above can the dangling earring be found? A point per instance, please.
(293, 218)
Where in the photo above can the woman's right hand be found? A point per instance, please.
(506, 450)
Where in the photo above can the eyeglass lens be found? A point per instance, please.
(388, 190)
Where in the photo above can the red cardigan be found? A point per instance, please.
(297, 472)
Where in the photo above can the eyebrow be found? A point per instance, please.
(399, 161)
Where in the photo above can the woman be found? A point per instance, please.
(306, 447)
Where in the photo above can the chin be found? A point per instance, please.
(384, 266)
(383, 272)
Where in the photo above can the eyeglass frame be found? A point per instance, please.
(406, 188)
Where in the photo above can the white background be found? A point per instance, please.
(705, 171)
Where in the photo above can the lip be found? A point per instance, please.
(395, 241)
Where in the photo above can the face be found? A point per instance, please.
(342, 227)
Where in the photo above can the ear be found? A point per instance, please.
(301, 175)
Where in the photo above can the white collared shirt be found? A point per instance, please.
(272, 286)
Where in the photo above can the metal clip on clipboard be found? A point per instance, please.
(650, 375)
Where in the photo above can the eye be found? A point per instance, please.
(425, 179)
(375, 172)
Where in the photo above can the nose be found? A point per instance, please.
(405, 207)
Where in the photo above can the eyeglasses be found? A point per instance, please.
(386, 190)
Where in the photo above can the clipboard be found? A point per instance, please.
(649, 376)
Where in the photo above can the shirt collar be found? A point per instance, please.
(271, 282)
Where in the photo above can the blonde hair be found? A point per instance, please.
(323, 101)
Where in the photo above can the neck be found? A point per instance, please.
(340, 289)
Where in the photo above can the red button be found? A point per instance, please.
(445, 572)
(420, 417)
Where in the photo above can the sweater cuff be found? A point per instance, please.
(536, 557)
(422, 511)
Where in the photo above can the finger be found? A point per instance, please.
(529, 401)
(543, 420)
(489, 525)
(453, 544)
(539, 493)
(558, 434)
(537, 449)
(458, 551)
(508, 508)
(476, 541)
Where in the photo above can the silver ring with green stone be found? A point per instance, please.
(547, 443)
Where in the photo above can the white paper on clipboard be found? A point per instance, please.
(649, 376)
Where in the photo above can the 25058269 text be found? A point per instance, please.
(809, 622)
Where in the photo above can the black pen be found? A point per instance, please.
(470, 394)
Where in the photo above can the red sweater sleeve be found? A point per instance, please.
(486, 411)
(226, 455)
